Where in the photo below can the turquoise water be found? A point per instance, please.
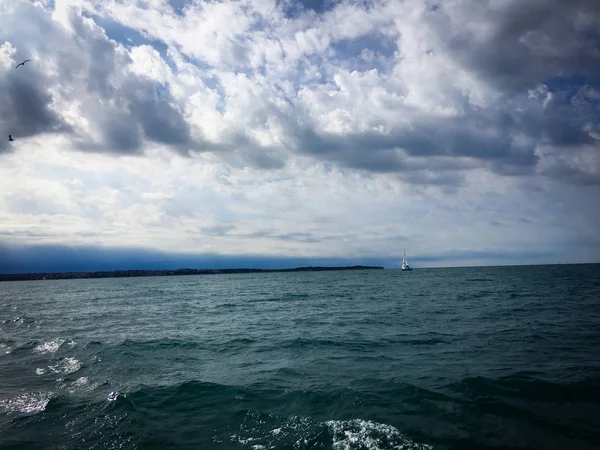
(483, 358)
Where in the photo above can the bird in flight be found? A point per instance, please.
(10, 138)
(22, 64)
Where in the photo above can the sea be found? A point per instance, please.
(449, 358)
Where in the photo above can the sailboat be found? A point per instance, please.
(405, 265)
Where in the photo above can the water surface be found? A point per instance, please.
(482, 358)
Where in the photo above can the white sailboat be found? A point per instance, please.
(405, 265)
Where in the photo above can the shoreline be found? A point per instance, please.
(165, 273)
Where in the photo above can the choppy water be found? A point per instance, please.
(486, 358)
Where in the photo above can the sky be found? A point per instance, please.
(281, 133)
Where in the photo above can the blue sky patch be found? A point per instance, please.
(571, 83)
(295, 8)
(178, 6)
(129, 37)
(365, 53)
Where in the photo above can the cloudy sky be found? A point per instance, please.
(464, 131)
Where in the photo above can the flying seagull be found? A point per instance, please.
(22, 64)
(10, 138)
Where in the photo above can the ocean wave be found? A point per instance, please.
(159, 344)
(342, 369)
(81, 381)
(49, 346)
(363, 434)
(361, 416)
(30, 403)
(314, 343)
(18, 320)
(342, 344)
(66, 366)
(292, 419)
(268, 431)
(284, 297)
(424, 341)
(236, 346)
(364, 345)
(528, 385)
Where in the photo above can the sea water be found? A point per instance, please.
(465, 358)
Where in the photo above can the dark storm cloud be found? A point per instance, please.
(287, 237)
(119, 134)
(161, 121)
(262, 158)
(25, 106)
(141, 112)
(65, 258)
(232, 231)
(143, 115)
(102, 63)
(124, 106)
(477, 137)
(528, 44)
(573, 176)
(502, 138)
(527, 41)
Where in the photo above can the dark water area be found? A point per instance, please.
(465, 358)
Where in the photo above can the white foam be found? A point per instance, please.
(112, 396)
(81, 381)
(66, 366)
(49, 347)
(303, 432)
(359, 434)
(27, 403)
(81, 384)
(40, 371)
(241, 440)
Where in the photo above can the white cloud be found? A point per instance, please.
(235, 128)
(201, 205)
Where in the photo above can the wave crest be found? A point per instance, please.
(30, 403)
(361, 434)
(268, 431)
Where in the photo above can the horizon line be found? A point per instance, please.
(314, 268)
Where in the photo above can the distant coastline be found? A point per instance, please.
(166, 273)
